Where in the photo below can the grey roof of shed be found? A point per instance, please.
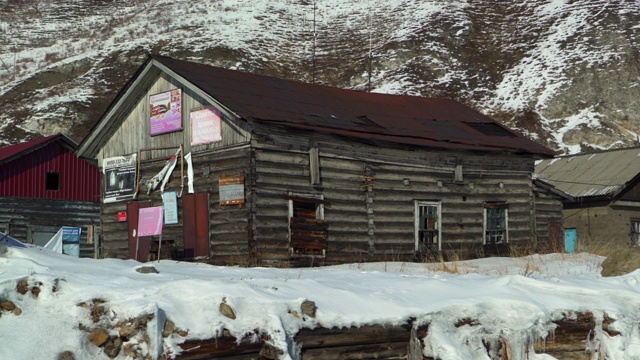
(409, 120)
(589, 175)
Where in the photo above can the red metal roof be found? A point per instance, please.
(13, 151)
(411, 120)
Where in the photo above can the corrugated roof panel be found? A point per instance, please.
(394, 118)
(592, 174)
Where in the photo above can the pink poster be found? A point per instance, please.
(205, 126)
(150, 221)
(166, 112)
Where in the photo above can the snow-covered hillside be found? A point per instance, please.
(564, 72)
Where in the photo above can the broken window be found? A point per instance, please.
(635, 232)
(308, 230)
(427, 226)
(496, 217)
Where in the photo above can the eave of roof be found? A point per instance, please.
(12, 152)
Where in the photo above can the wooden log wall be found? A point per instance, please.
(21, 217)
(548, 208)
(574, 338)
(228, 225)
(372, 190)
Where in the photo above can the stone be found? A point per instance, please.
(99, 337)
(112, 348)
(7, 305)
(308, 308)
(126, 329)
(35, 291)
(183, 333)
(147, 269)
(621, 262)
(169, 327)
(67, 355)
(23, 286)
(130, 350)
(17, 311)
(227, 311)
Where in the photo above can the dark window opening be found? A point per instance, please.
(428, 227)
(496, 223)
(53, 181)
(490, 129)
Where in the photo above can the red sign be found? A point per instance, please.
(122, 216)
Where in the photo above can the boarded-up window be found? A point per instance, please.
(195, 230)
(314, 163)
(308, 231)
(496, 218)
(428, 225)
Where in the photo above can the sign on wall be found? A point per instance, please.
(170, 204)
(231, 190)
(205, 126)
(119, 178)
(166, 112)
(150, 221)
(71, 240)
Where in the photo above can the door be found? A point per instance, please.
(195, 229)
(142, 244)
(570, 235)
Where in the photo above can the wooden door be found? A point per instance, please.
(143, 244)
(195, 230)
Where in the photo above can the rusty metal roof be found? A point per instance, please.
(599, 174)
(411, 120)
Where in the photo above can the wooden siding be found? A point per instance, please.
(134, 132)
(21, 218)
(26, 176)
(372, 191)
(228, 225)
(548, 208)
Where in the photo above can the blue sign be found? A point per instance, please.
(71, 241)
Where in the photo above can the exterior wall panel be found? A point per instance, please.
(26, 176)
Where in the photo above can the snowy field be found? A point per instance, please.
(513, 296)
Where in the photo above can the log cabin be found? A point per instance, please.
(43, 187)
(263, 171)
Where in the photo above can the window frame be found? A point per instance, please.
(319, 212)
(416, 216)
(634, 231)
(497, 205)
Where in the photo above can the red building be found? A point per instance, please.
(44, 186)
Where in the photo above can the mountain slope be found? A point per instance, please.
(565, 73)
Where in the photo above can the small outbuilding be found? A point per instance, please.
(263, 171)
(601, 197)
(43, 187)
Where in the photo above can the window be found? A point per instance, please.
(427, 226)
(53, 181)
(496, 220)
(635, 232)
(308, 231)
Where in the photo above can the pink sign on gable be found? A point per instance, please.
(205, 126)
(166, 112)
(150, 221)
